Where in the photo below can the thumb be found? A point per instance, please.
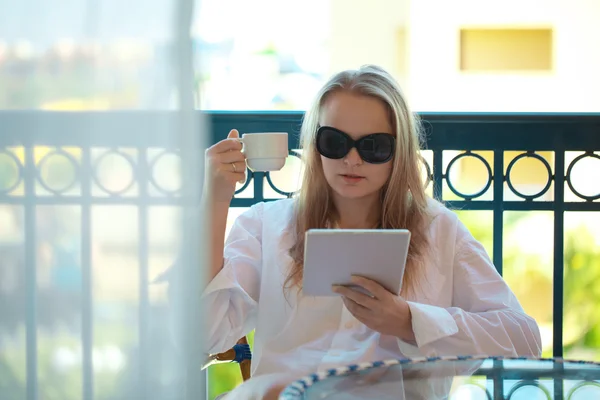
(233, 134)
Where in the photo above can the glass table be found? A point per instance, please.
(454, 378)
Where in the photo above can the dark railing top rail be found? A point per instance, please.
(447, 131)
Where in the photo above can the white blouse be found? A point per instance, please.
(463, 306)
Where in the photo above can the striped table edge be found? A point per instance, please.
(296, 389)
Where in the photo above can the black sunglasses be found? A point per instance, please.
(376, 148)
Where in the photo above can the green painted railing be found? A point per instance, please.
(529, 134)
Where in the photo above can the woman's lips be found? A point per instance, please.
(349, 178)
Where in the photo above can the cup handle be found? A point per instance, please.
(243, 145)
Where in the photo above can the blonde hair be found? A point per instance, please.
(404, 202)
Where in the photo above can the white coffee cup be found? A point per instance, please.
(265, 151)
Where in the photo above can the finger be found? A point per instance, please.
(240, 166)
(373, 287)
(227, 145)
(233, 134)
(242, 179)
(237, 167)
(231, 156)
(357, 297)
(358, 311)
(234, 177)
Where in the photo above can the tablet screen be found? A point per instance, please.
(332, 256)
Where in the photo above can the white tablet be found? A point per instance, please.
(332, 256)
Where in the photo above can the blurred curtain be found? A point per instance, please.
(101, 157)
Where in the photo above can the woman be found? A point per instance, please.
(453, 302)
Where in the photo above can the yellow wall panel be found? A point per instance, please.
(506, 49)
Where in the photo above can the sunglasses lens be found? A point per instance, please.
(377, 148)
(332, 144)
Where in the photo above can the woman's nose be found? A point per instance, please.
(353, 158)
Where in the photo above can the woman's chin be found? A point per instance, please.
(353, 192)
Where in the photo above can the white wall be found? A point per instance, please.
(437, 84)
(368, 32)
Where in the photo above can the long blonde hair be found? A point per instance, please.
(404, 202)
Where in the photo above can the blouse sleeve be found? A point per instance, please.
(485, 318)
(231, 298)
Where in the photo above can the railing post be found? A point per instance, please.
(438, 173)
(559, 262)
(31, 273)
(87, 339)
(143, 255)
(559, 244)
(498, 209)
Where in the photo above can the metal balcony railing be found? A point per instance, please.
(550, 139)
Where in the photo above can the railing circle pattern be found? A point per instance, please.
(129, 161)
(510, 183)
(429, 173)
(481, 390)
(46, 159)
(273, 186)
(585, 389)
(153, 171)
(9, 186)
(249, 178)
(13, 162)
(529, 388)
(570, 170)
(487, 184)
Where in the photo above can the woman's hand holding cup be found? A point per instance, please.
(225, 166)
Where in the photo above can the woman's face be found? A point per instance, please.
(356, 115)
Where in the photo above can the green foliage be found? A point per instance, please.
(582, 293)
(530, 275)
(223, 378)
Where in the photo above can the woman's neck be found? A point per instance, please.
(363, 213)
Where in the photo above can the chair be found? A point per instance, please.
(239, 353)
